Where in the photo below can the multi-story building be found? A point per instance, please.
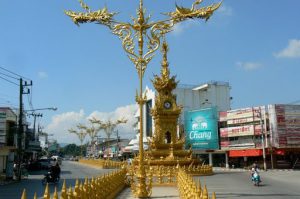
(269, 135)
(8, 121)
(241, 134)
(284, 125)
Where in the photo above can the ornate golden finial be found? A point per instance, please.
(46, 194)
(76, 188)
(24, 194)
(35, 196)
(165, 72)
(63, 194)
(141, 4)
(55, 196)
(213, 195)
(70, 192)
(205, 193)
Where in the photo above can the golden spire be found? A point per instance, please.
(165, 72)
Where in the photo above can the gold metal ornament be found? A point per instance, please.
(148, 37)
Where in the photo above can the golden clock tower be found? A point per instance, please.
(166, 146)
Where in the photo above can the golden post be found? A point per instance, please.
(144, 32)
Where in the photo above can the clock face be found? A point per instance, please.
(167, 105)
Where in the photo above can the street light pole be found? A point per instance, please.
(140, 40)
(20, 126)
(34, 121)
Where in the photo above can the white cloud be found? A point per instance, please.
(126, 112)
(248, 66)
(180, 27)
(61, 123)
(291, 51)
(42, 75)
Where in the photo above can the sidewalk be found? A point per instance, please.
(157, 192)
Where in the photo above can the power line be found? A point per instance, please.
(14, 73)
(9, 81)
(8, 76)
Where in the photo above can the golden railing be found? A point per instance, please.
(166, 175)
(104, 187)
(189, 189)
(104, 164)
(108, 186)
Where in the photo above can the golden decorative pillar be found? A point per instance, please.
(141, 31)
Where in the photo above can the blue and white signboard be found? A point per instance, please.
(201, 129)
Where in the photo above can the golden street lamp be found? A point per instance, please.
(142, 31)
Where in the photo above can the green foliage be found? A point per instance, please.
(73, 150)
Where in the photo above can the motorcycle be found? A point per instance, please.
(256, 179)
(50, 178)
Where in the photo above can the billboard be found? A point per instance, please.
(202, 129)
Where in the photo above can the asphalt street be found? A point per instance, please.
(237, 184)
(227, 184)
(70, 171)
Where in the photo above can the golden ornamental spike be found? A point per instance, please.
(24, 194)
(63, 193)
(205, 193)
(70, 193)
(46, 193)
(34, 196)
(55, 195)
(213, 195)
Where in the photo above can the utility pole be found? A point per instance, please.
(262, 139)
(117, 144)
(20, 126)
(34, 121)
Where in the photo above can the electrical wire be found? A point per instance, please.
(8, 75)
(9, 81)
(14, 73)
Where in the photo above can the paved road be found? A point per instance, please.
(236, 184)
(275, 185)
(69, 171)
(226, 184)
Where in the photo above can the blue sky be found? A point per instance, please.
(253, 45)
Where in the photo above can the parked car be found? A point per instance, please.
(45, 163)
(34, 166)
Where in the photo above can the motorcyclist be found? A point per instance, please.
(255, 174)
(55, 171)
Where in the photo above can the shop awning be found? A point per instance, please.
(245, 153)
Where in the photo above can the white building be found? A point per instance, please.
(206, 95)
(148, 124)
(190, 97)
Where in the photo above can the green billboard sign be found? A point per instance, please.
(201, 129)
